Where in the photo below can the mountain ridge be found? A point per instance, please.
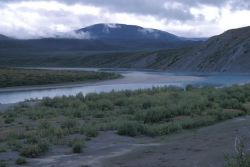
(229, 51)
(124, 31)
(105, 37)
(3, 37)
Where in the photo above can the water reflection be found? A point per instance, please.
(131, 81)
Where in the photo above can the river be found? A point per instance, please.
(132, 80)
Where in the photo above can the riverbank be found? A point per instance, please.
(131, 80)
(125, 78)
(13, 77)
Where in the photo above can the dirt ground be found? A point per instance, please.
(205, 147)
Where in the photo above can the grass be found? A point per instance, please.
(10, 77)
(21, 161)
(34, 148)
(77, 146)
(34, 130)
(3, 164)
(241, 157)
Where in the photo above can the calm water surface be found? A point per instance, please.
(132, 80)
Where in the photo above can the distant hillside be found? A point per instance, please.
(3, 37)
(154, 59)
(126, 32)
(101, 37)
(228, 52)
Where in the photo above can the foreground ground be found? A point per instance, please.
(48, 130)
(203, 147)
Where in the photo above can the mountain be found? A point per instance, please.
(228, 52)
(131, 37)
(101, 37)
(3, 37)
(126, 32)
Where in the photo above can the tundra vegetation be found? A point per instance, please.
(242, 155)
(33, 130)
(10, 77)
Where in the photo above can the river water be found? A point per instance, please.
(132, 80)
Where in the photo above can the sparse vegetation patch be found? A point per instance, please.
(33, 130)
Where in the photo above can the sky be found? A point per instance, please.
(187, 18)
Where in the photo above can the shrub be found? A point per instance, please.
(9, 120)
(228, 114)
(156, 114)
(242, 157)
(77, 146)
(69, 124)
(32, 139)
(14, 145)
(231, 104)
(91, 132)
(2, 149)
(197, 122)
(21, 161)
(104, 105)
(35, 150)
(31, 151)
(130, 129)
(3, 164)
(44, 125)
(161, 129)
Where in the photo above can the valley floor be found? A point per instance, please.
(204, 147)
(162, 124)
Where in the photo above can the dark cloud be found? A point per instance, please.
(183, 17)
(157, 8)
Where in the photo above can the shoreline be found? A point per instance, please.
(126, 78)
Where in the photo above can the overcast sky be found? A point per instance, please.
(188, 18)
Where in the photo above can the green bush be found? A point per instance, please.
(77, 146)
(161, 129)
(22, 77)
(197, 122)
(231, 104)
(14, 144)
(2, 149)
(31, 151)
(9, 120)
(241, 158)
(69, 124)
(3, 163)
(105, 105)
(35, 150)
(21, 161)
(91, 132)
(130, 129)
(156, 114)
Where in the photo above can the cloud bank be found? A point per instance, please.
(189, 18)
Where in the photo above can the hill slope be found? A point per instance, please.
(3, 37)
(125, 32)
(102, 37)
(228, 52)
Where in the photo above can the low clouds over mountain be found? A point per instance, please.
(190, 18)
